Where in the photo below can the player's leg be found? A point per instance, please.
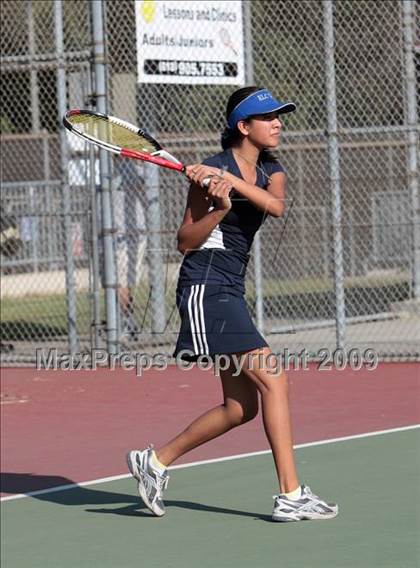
(240, 404)
(271, 381)
(129, 258)
(295, 502)
(125, 300)
(135, 272)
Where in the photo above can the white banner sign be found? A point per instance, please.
(190, 42)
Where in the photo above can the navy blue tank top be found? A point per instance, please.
(223, 257)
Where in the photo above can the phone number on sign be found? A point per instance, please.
(190, 68)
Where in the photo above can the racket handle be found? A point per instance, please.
(206, 182)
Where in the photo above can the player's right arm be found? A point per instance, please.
(199, 218)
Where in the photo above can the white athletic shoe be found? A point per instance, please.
(308, 507)
(151, 482)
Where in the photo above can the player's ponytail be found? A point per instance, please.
(229, 137)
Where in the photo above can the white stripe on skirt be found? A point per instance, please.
(197, 322)
(192, 326)
(197, 318)
(203, 324)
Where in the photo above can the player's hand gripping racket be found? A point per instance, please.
(120, 137)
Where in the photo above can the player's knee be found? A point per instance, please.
(241, 413)
(274, 383)
(250, 412)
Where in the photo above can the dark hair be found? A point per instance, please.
(230, 137)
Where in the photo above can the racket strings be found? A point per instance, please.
(113, 132)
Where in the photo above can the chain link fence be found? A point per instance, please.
(340, 269)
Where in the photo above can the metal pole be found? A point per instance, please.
(413, 147)
(94, 266)
(155, 259)
(34, 72)
(47, 177)
(334, 168)
(154, 249)
(34, 227)
(61, 103)
(249, 61)
(110, 280)
(249, 80)
(259, 293)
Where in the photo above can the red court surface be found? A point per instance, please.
(61, 427)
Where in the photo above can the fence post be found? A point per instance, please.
(334, 169)
(154, 249)
(411, 121)
(61, 104)
(94, 229)
(34, 72)
(249, 80)
(156, 301)
(94, 266)
(110, 280)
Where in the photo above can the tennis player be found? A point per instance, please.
(216, 235)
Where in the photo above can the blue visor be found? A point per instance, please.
(260, 102)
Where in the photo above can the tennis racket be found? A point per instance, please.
(120, 137)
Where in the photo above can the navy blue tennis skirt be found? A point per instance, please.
(214, 320)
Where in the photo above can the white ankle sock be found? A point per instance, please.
(156, 463)
(293, 495)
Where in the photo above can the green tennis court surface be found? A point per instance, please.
(218, 515)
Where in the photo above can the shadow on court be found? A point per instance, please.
(15, 482)
(139, 510)
(26, 482)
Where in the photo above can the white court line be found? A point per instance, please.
(205, 462)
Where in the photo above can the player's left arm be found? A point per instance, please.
(271, 200)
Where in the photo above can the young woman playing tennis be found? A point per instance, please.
(220, 222)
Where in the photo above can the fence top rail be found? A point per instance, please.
(42, 134)
(26, 184)
(213, 137)
(43, 57)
